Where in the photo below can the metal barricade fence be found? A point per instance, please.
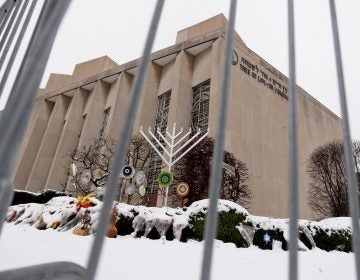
(16, 116)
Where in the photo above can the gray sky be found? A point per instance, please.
(118, 29)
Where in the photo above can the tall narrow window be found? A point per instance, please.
(200, 106)
(104, 122)
(79, 134)
(162, 111)
(155, 164)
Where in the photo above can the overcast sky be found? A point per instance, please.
(118, 29)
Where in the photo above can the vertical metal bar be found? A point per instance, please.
(13, 33)
(218, 154)
(15, 50)
(293, 150)
(9, 26)
(349, 160)
(16, 115)
(13, 98)
(124, 136)
(3, 12)
(8, 10)
(2, 16)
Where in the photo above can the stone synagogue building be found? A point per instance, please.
(182, 86)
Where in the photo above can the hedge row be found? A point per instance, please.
(22, 197)
(228, 231)
(235, 224)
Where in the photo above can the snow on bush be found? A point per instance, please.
(235, 225)
(223, 206)
(22, 197)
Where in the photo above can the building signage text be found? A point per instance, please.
(254, 71)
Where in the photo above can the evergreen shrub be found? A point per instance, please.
(303, 238)
(339, 240)
(275, 234)
(226, 231)
(124, 224)
(22, 197)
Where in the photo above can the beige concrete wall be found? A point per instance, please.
(57, 176)
(113, 91)
(181, 93)
(217, 22)
(119, 93)
(317, 126)
(94, 112)
(57, 81)
(48, 146)
(166, 77)
(216, 66)
(146, 112)
(32, 141)
(92, 67)
(257, 133)
(202, 67)
(112, 102)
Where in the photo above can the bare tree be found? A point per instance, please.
(94, 160)
(139, 152)
(195, 169)
(138, 156)
(327, 195)
(235, 186)
(93, 163)
(356, 149)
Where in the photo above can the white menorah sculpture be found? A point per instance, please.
(173, 148)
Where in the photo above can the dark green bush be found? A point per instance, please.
(22, 197)
(227, 231)
(170, 233)
(337, 240)
(153, 234)
(196, 228)
(124, 224)
(275, 234)
(303, 238)
(186, 234)
(124, 227)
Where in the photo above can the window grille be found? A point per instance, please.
(163, 111)
(200, 107)
(155, 162)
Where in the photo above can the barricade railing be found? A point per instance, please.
(5, 11)
(15, 118)
(17, 112)
(349, 160)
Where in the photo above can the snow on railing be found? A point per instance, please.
(15, 16)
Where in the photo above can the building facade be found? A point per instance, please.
(182, 86)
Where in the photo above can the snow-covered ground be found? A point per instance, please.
(128, 258)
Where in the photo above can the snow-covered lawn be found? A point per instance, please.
(128, 258)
